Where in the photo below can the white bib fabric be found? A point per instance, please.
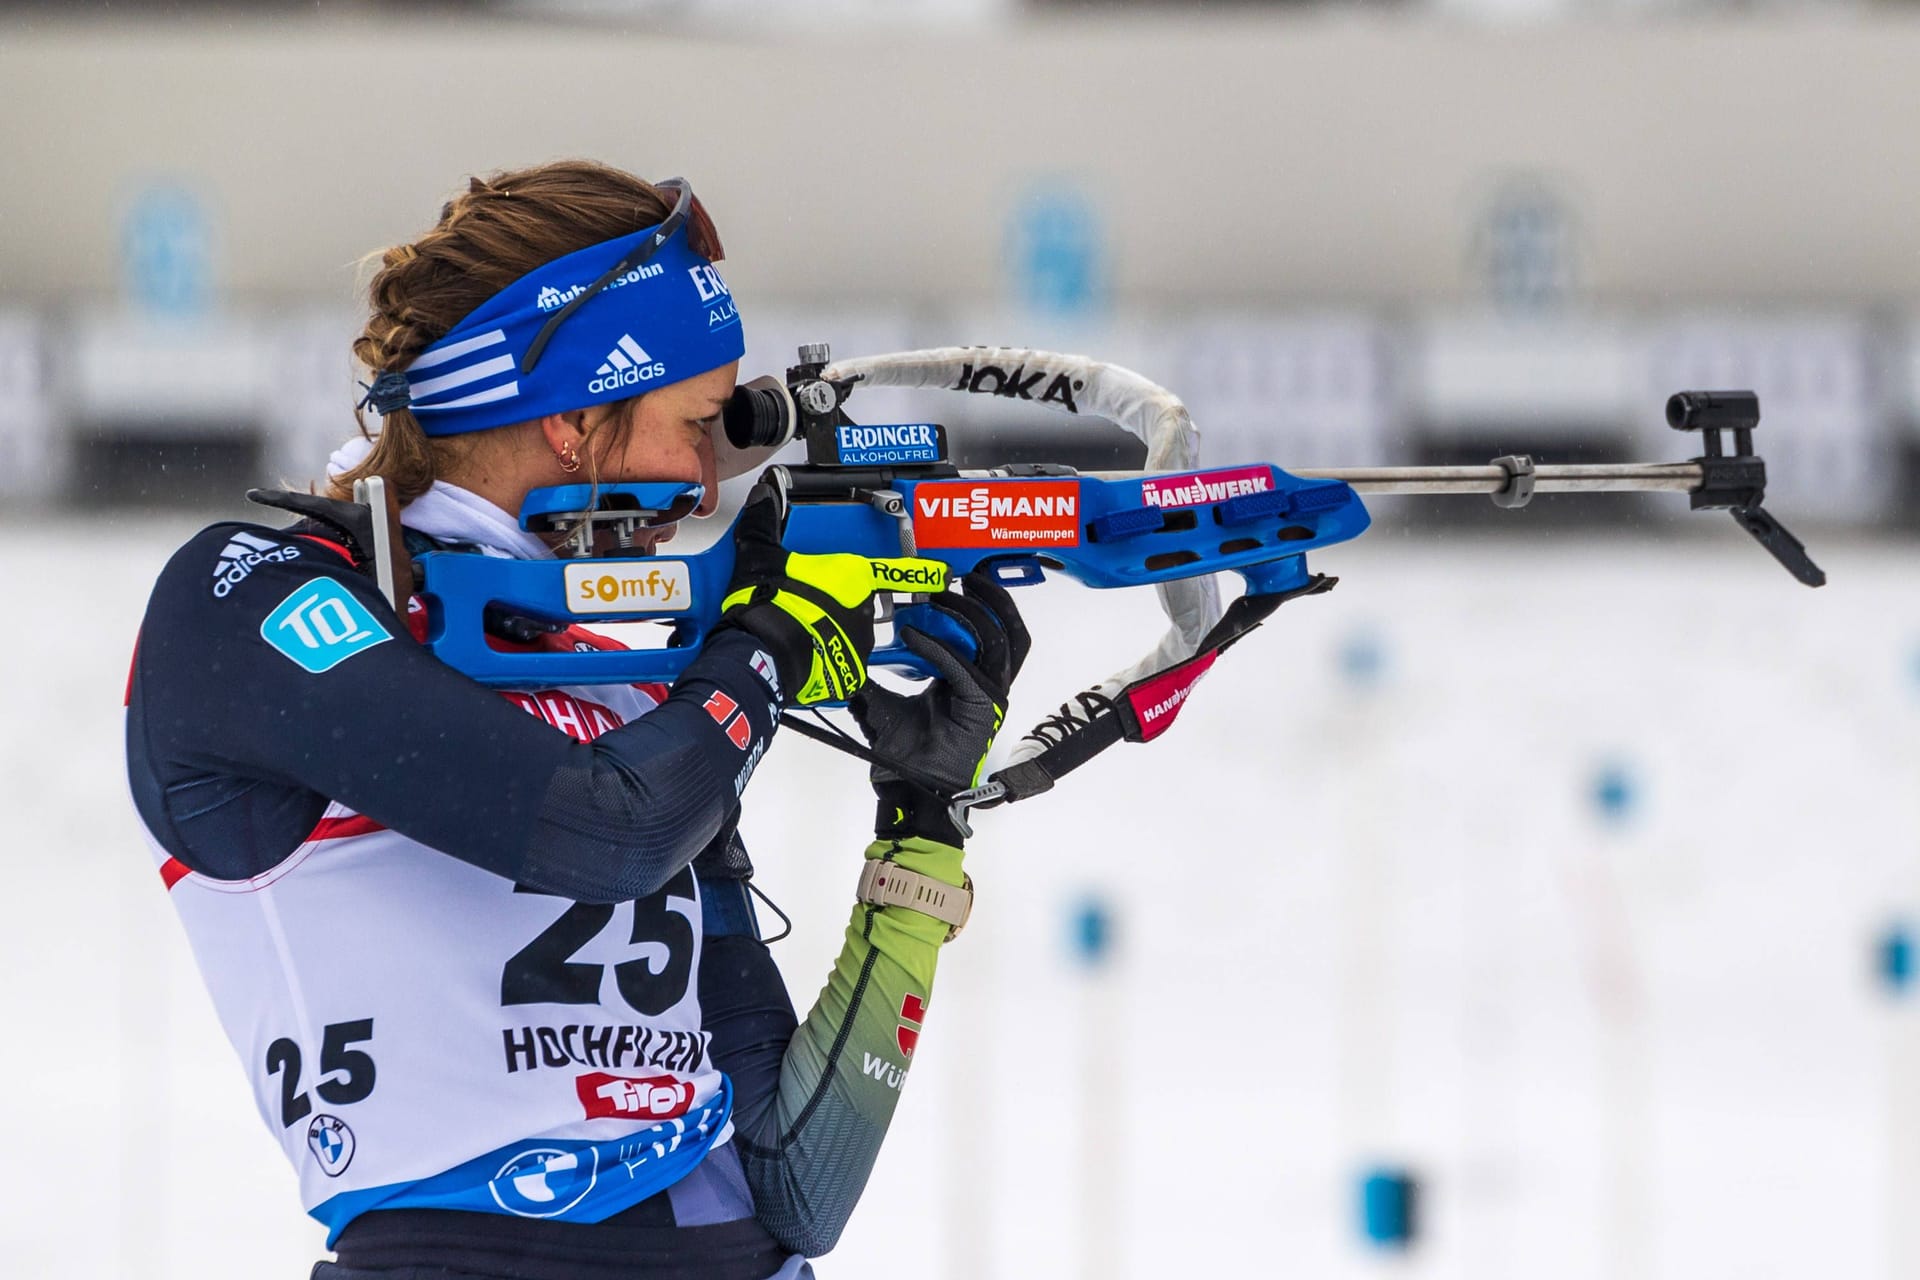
(419, 1034)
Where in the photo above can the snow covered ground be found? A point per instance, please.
(1367, 909)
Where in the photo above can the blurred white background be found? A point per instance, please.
(1551, 862)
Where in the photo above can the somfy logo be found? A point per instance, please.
(627, 365)
(651, 586)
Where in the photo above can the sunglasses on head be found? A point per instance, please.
(634, 258)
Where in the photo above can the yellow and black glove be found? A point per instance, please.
(944, 731)
(814, 613)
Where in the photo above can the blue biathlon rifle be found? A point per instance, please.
(889, 490)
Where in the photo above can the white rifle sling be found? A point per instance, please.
(888, 884)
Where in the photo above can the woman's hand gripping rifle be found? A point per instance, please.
(814, 613)
(946, 729)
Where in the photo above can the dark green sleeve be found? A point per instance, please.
(809, 1146)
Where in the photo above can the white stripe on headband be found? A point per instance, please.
(441, 355)
(461, 377)
(505, 391)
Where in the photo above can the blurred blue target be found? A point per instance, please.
(1389, 1207)
(1090, 930)
(167, 251)
(1363, 660)
(1057, 250)
(1893, 957)
(1615, 793)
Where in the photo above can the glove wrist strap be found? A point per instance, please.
(888, 884)
(905, 811)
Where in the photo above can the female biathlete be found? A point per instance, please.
(490, 961)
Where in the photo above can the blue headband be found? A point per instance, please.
(667, 319)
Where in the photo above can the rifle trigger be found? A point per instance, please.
(893, 503)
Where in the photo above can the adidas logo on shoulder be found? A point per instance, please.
(244, 553)
(627, 365)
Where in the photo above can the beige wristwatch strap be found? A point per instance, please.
(889, 884)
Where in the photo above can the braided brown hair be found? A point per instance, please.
(497, 230)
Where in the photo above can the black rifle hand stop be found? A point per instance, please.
(1737, 481)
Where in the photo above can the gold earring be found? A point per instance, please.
(569, 460)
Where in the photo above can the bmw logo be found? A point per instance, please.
(332, 1144)
(545, 1182)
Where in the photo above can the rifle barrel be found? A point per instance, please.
(1604, 477)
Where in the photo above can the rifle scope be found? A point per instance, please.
(760, 414)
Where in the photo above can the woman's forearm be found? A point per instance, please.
(809, 1145)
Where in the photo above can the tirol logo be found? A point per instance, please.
(1205, 486)
(913, 1012)
(892, 445)
(1020, 384)
(997, 513)
(545, 1182)
(627, 365)
(610, 1097)
(715, 296)
(926, 576)
(331, 1143)
(650, 586)
(1157, 701)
